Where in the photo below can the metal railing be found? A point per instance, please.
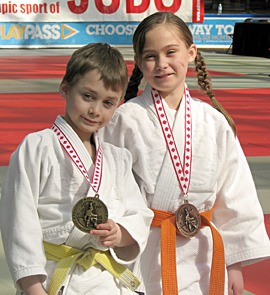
(238, 6)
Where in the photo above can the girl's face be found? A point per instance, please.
(164, 61)
(89, 105)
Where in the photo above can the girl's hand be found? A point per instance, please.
(235, 279)
(112, 234)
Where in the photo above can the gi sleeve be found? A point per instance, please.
(137, 217)
(237, 212)
(20, 225)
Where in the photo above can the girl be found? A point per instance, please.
(190, 167)
(71, 199)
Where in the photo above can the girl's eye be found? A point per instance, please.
(170, 52)
(149, 57)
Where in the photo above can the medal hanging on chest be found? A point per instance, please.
(88, 212)
(188, 220)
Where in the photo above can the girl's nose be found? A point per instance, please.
(162, 63)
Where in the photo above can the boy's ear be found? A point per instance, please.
(63, 89)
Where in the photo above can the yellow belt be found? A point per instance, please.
(67, 257)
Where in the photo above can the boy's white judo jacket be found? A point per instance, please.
(41, 187)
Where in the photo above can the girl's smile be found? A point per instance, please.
(164, 62)
(163, 76)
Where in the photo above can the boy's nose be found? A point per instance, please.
(94, 109)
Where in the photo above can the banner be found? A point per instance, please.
(97, 10)
(214, 32)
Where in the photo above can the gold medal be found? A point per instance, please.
(88, 213)
(188, 220)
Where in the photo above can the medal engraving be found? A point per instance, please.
(188, 220)
(88, 213)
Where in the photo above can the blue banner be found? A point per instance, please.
(213, 32)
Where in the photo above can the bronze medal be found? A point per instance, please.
(188, 220)
(88, 213)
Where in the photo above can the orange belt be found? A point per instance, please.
(166, 221)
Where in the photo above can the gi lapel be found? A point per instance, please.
(167, 192)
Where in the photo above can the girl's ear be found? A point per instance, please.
(63, 88)
(137, 63)
(192, 52)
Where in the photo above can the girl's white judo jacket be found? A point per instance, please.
(220, 179)
(41, 187)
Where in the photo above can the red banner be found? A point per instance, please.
(97, 10)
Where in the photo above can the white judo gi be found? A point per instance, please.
(41, 187)
(220, 179)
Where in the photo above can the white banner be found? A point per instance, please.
(97, 10)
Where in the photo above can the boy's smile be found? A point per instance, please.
(89, 105)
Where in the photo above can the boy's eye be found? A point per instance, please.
(88, 96)
(108, 103)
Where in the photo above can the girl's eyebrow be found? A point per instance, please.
(164, 48)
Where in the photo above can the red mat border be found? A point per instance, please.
(22, 113)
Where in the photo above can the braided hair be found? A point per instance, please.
(203, 79)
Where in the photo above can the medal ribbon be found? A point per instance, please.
(71, 151)
(182, 171)
(88, 257)
(166, 220)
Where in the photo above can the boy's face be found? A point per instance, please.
(89, 105)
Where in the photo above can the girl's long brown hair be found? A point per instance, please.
(203, 79)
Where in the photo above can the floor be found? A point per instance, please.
(238, 72)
